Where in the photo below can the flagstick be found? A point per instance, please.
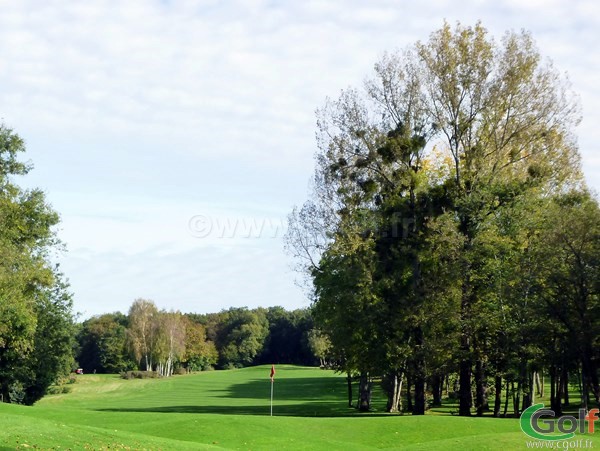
(271, 396)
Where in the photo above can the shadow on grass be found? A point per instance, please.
(299, 397)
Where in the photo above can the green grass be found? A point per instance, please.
(230, 410)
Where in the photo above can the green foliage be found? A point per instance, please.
(200, 354)
(242, 337)
(58, 390)
(103, 344)
(233, 338)
(429, 238)
(320, 345)
(568, 287)
(170, 341)
(139, 375)
(52, 355)
(36, 331)
(143, 331)
(286, 341)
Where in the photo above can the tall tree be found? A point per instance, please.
(286, 341)
(242, 337)
(200, 353)
(103, 344)
(33, 298)
(320, 346)
(345, 309)
(506, 118)
(569, 255)
(143, 331)
(54, 340)
(170, 341)
(448, 137)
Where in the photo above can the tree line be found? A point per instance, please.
(449, 235)
(150, 339)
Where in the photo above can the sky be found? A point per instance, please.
(175, 136)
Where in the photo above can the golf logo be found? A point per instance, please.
(535, 423)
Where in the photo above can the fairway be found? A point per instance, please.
(230, 410)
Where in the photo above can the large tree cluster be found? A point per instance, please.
(36, 323)
(157, 340)
(449, 235)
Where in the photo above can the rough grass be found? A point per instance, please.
(230, 410)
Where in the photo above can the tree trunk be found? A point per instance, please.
(498, 396)
(399, 399)
(419, 374)
(437, 384)
(409, 403)
(394, 389)
(349, 383)
(590, 369)
(585, 390)
(364, 393)
(4, 395)
(481, 401)
(539, 384)
(527, 390)
(595, 383)
(565, 385)
(517, 398)
(555, 392)
(419, 407)
(464, 394)
(526, 384)
(559, 394)
(506, 400)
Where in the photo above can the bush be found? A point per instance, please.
(16, 393)
(139, 374)
(58, 389)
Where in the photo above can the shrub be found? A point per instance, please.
(139, 374)
(58, 389)
(16, 393)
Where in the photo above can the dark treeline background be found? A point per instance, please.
(167, 342)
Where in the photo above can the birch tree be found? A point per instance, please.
(142, 332)
(170, 342)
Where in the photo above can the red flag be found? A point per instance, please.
(272, 372)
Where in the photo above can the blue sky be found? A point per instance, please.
(141, 116)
